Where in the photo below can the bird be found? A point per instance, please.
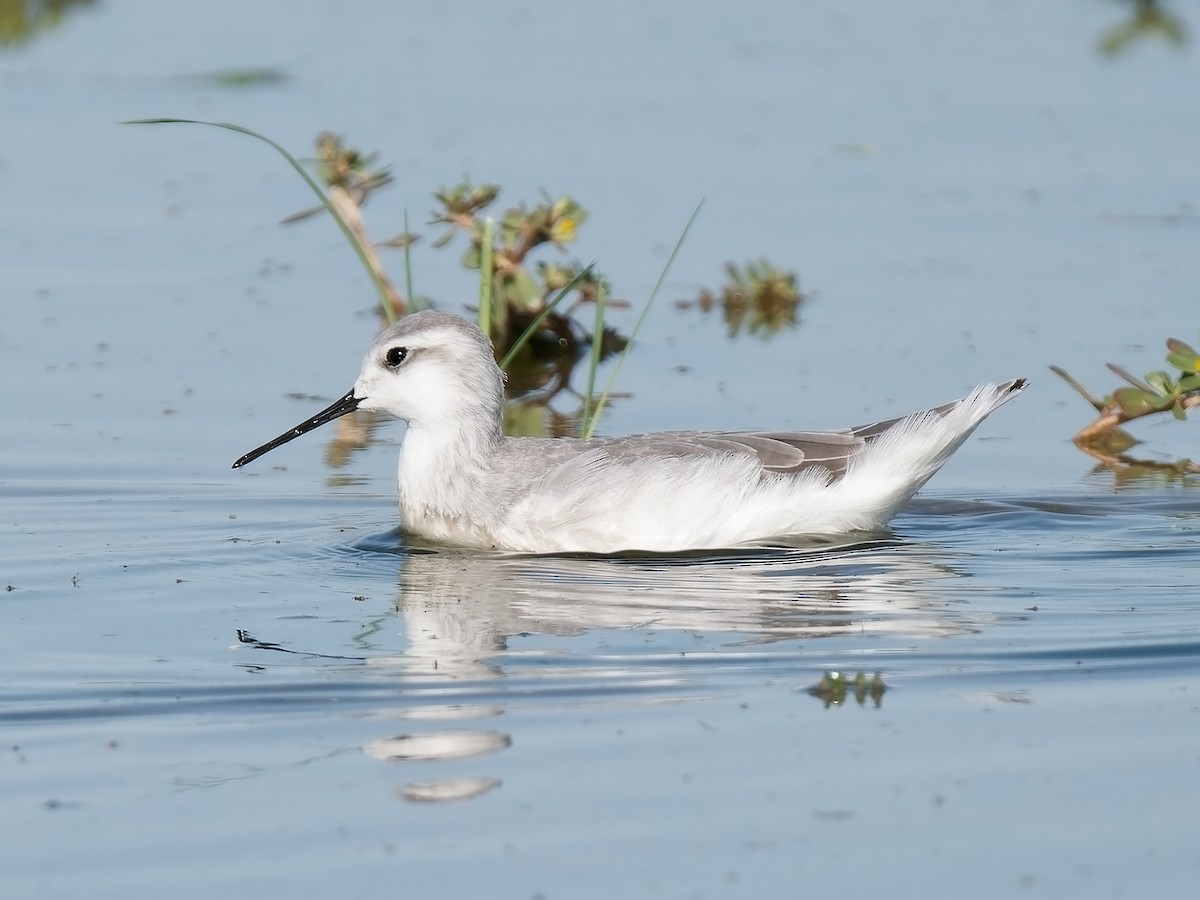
(463, 482)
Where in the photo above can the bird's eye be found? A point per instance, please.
(395, 356)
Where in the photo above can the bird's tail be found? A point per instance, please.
(902, 454)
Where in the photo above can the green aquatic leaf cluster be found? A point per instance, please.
(503, 247)
(1159, 391)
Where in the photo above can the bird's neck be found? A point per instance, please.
(443, 464)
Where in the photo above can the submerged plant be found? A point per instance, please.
(1159, 392)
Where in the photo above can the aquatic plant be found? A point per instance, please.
(517, 304)
(1158, 392)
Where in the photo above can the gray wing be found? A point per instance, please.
(782, 452)
(785, 452)
(793, 451)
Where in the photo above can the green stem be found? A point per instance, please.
(587, 423)
(486, 274)
(408, 273)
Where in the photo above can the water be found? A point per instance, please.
(971, 196)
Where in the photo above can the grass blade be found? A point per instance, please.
(1083, 392)
(590, 426)
(587, 422)
(384, 300)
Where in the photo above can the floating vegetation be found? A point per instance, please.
(1158, 392)
(835, 687)
(759, 299)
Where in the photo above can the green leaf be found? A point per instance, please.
(1137, 402)
(1177, 346)
(1182, 357)
(1161, 382)
(1087, 395)
(1125, 373)
(483, 195)
(401, 241)
(524, 295)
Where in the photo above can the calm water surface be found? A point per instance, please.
(216, 682)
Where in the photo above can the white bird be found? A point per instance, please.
(463, 482)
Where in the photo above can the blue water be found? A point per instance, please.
(216, 681)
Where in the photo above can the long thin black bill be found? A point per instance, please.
(347, 404)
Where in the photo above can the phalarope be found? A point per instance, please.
(462, 481)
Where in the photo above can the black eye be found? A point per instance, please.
(395, 356)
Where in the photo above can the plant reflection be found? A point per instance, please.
(22, 20)
(759, 299)
(835, 687)
(1148, 20)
